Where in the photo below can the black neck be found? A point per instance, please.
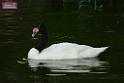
(43, 40)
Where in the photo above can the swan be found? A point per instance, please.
(64, 50)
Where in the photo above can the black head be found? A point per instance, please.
(36, 29)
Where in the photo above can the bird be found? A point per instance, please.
(63, 50)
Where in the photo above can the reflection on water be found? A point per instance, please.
(71, 66)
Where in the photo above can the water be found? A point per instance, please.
(89, 29)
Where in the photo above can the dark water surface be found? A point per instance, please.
(97, 30)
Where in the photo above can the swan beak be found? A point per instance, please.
(35, 31)
(34, 34)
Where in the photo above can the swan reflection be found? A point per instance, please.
(75, 65)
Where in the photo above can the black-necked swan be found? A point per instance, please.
(63, 50)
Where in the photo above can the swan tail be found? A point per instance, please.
(100, 50)
(92, 53)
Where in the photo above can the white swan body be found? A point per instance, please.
(66, 51)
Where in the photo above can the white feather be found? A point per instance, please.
(66, 51)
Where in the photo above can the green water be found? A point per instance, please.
(97, 30)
